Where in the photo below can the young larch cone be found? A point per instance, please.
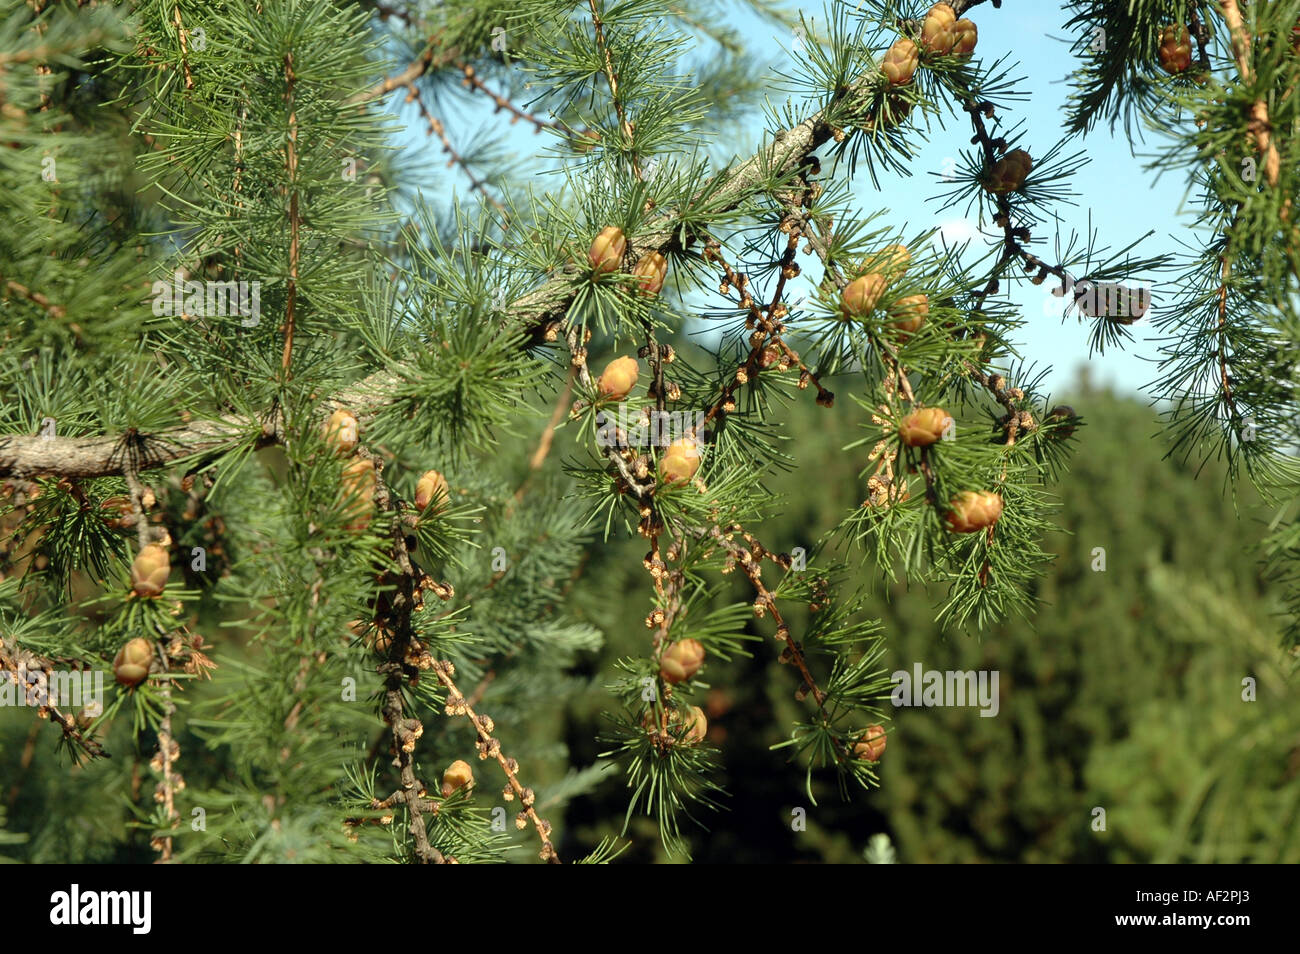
(359, 484)
(909, 314)
(892, 262)
(924, 426)
(431, 487)
(681, 660)
(680, 461)
(606, 253)
(457, 776)
(698, 726)
(1175, 49)
(149, 571)
(1063, 418)
(900, 62)
(650, 271)
(974, 510)
(861, 295)
(1009, 173)
(341, 430)
(131, 664)
(965, 36)
(872, 744)
(619, 378)
(937, 33)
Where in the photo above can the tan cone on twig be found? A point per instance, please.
(974, 510)
(132, 662)
(149, 571)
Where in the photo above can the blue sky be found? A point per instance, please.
(1120, 197)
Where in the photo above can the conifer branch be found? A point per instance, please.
(436, 128)
(13, 659)
(472, 80)
(1259, 126)
(291, 168)
(489, 747)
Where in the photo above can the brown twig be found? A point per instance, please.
(437, 128)
(489, 747)
(1259, 127)
(472, 80)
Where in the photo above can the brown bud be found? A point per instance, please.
(681, 660)
(680, 461)
(431, 488)
(974, 510)
(1063, 419)
(619, 378)
(121, 507)
(359, 484)
(1175, 49)
(606, 253)
(937, 32)
(341, 431)
(872, 744)
(923, 427)
(651, 271)
(457, 776)
(900, 62)
(150, 570)
(964, 37)
(861, 295)
(1009, 173)
(131, 664)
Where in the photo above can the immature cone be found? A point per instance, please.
(457, 776)
(619, 378)
(680, 461)
(872, 744)
(606, 253)
(937, 33)
(909, 314)
(650, 272)
(900, 62)
(1063, 417)
(1008, 173)
(359, 484)
(892, 262)
(1175, 49)
(699, 725)
(974, 510)
(341, 431)
(681, 660)
(964, 37)
(131, 664)
(432, 486)
(923, 427)
(861, 295)
(150, 570)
